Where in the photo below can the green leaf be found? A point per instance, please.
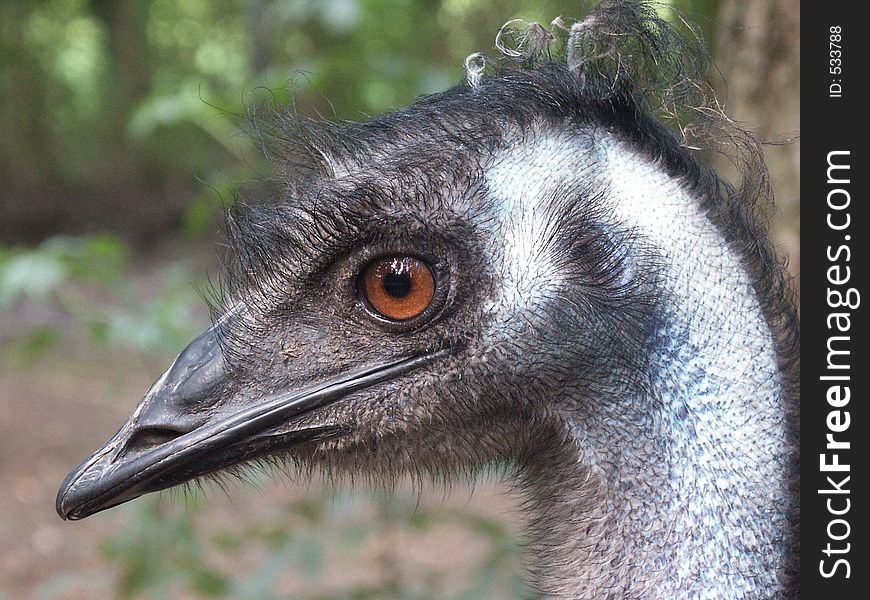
(29, 348)
(209, 582)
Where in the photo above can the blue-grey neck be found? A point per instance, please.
(672, 480)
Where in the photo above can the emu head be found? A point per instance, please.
(412, 311)
(435, 290)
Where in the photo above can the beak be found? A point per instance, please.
(176, 433)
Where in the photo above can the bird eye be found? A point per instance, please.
(398, 288)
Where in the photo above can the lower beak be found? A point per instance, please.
(143, 458)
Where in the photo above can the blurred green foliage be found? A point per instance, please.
(42, 271)
(83, 282)
(168, 552)
(113, 113)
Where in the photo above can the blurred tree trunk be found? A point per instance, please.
(26, 158)
(259, 33)
(758, 52)
(129, 81)
(125, 24)
(133, 182)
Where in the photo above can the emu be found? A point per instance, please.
(529, 270)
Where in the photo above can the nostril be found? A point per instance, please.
(149, 438)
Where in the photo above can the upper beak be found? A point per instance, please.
(176, 433)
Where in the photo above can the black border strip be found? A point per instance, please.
(834, 120)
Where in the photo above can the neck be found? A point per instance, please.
(674, 491)
(675, 485)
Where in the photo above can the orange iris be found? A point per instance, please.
(398, 287)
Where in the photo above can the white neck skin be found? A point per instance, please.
(673, 489)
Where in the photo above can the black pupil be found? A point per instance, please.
(397, 285)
